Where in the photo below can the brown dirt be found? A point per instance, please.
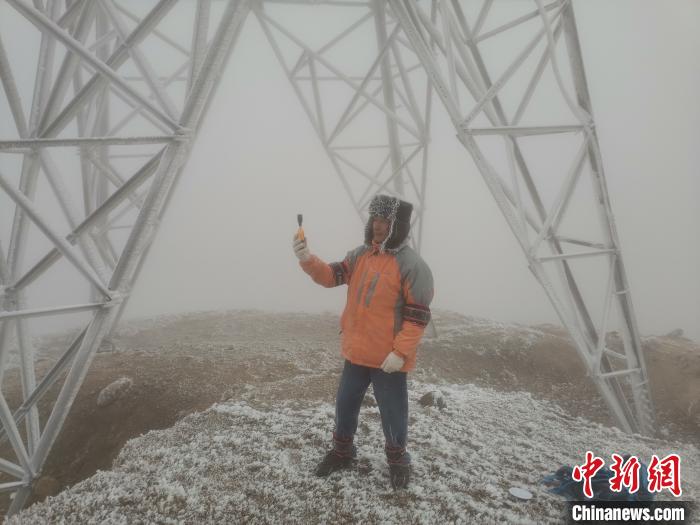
(187, 364)
(551, 369)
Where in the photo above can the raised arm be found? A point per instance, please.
(325, 274)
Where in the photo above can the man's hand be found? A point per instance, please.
(300, 249)
(393, 363)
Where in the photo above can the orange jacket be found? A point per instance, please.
(387, 308)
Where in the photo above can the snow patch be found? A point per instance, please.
(245, 462)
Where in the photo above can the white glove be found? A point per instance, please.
(393, 363)
(300, 249)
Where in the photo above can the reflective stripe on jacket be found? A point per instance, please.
(388, 301)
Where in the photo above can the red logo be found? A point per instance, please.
(626, 474)
(587, 471)
(665, 474)
(662, 473)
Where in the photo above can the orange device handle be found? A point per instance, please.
(300, 231)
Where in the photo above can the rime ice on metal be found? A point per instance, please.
(99, 84)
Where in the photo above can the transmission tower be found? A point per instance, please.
(123, 86)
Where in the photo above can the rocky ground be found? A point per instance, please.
(518, 399)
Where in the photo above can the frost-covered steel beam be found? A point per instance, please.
(44, 23)
(46, 382)
(622, 295)
(122, 193)
(61, 245)
(140, 60)
(70, 62)
(155, 32)
(27, 144)
(199, 39)
(388, 93)
(26, 127)
(92, 37)
(40, 312)
(385, 88)
(440, 38)
(214, 65)
(478, 106)
(116, 60)
(11, 93)
(146, 224)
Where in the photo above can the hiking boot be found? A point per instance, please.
(332, 461)
(341, 456)
(400, 475)
(399, 466)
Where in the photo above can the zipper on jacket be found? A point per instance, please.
(361, 287)
(370, 289)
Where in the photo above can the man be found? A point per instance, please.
(390, 288)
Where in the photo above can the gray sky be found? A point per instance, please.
(226, 239)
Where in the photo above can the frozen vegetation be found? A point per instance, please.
(250, 456)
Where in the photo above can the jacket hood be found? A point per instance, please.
(398, 212)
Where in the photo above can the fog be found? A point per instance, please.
(225, 241)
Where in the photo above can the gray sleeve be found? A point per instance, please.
(419, 288)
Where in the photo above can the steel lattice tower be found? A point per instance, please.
(118, 98)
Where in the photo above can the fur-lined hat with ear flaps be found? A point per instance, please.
(395, 210)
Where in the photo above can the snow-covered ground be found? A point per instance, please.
(250, 457)
(249, 461)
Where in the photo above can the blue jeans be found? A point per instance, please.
(391, 393)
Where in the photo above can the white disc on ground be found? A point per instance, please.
(520, 493)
